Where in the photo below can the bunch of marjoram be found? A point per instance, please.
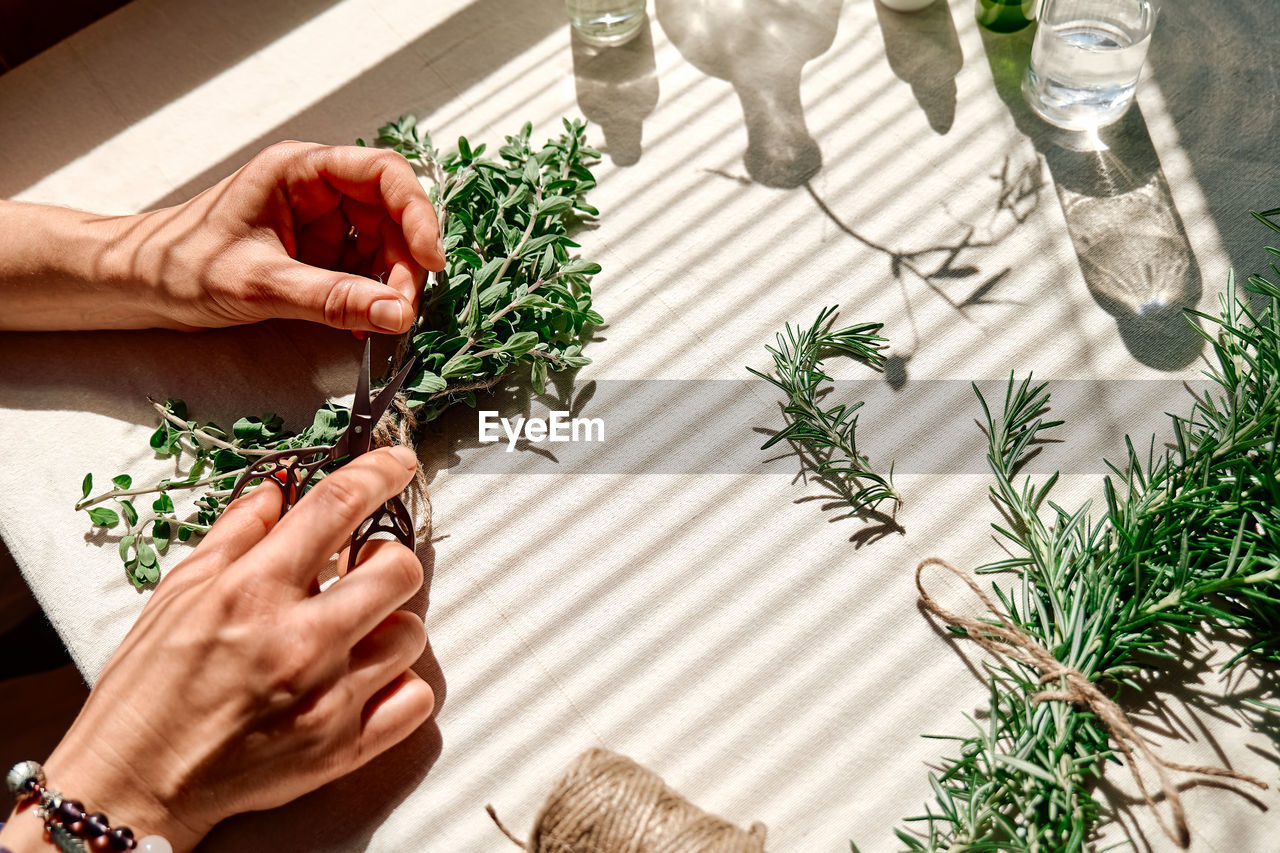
(512, 302)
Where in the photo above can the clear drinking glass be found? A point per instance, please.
(1086, 60)
(606, 22)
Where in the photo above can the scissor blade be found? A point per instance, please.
(355, 439)
(387, 394)
(360, 405)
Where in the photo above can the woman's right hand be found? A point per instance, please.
(240, 687)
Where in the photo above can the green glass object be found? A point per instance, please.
(1005, 16)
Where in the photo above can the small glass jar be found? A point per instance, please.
(606, 22)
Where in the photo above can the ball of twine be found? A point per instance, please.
(606, 803)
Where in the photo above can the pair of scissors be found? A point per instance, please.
(294, 469)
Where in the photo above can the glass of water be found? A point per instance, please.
(606, 22)
(1087, 57)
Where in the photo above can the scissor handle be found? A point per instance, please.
(292, 470)
(392, 517)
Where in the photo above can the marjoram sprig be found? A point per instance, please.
(511, 298)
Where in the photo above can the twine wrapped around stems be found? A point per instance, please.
(606, 803)
(399, 426)
(1008, 640)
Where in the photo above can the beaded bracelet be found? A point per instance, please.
(70, 829)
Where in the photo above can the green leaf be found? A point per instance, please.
(227, 460)
(122, 481)
(471, 316)
(161, 532)
(578, 266)
(493, 293)
(325, 421)
(130, 514)
(86, 486)
(146, 554)
(520, 343)
(488, 272)
(103, 517)
(247, 429)
(555, 204)
(428, 383)
(164, 503)
(533, 300)
(160, 438)
(148, 572)
(468, 256)
(538, 376)
(537, 243)
(460, 365)
(126, 542)
(518, 195)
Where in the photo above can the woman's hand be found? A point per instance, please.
(337, 235)
(241, 687)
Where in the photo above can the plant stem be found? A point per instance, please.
(151, 490)
(212, 439)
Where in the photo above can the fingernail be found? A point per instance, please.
(387, 314)
(440, 245)
(405, 456)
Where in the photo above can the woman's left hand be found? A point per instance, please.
(338, 235)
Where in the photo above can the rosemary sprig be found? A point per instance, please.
(829, 434)
(511, 297)
(1191, 537)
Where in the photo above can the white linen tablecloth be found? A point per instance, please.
(671, 594)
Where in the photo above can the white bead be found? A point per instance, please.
(153, 844)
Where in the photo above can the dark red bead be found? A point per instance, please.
(122, 838)
(70, 811)
(96, 824)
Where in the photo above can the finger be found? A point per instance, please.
(339, 299)
(302, 542)
(308, 199)
(388, 650)
(322, 242)
(404, 274)
(357, 263)
(243, 524)
(385, 177)
(387, 575)
(394, 713)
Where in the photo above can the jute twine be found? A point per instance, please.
(399, 426)
(1010, 641)
(606, 803)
